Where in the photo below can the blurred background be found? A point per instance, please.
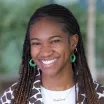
(14, 16)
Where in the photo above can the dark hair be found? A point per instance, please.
(80, 67)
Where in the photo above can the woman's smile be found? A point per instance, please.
(48, 63)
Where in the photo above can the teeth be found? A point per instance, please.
(48, 61)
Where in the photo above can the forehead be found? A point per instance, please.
(47, 26)
(46, 21)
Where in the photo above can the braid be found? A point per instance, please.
(86, 78)
(23, 89)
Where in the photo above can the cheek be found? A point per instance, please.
(63, 50)
(34, 52)
(67, 51)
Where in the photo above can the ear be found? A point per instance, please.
(73, 41)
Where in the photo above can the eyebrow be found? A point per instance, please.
(49, 37)
(34, 39)
(55, 36)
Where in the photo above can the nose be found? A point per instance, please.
(45, 51)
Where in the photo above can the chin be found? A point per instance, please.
(49, 72)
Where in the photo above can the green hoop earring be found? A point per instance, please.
(32, 64)
(72, 58)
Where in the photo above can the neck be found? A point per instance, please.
(59, 82)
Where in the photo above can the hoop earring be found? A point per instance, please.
(32, 64)
(72, 58)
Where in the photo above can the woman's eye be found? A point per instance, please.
(55, 41)
(36, 44)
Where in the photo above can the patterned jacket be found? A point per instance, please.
(36, 97)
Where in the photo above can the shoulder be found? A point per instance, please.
(8, 95)
(99, 90)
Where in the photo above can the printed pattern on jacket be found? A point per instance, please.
(36, 97)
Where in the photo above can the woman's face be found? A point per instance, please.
(50, 48)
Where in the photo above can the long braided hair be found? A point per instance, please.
(80, 67)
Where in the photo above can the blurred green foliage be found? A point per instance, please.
(99, 39)
(14, 15)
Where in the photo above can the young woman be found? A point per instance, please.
(54, 69)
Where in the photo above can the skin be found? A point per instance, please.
(49, 42)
